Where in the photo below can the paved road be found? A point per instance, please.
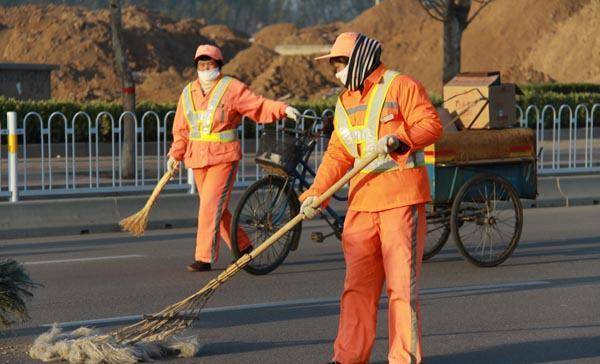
(541, 306)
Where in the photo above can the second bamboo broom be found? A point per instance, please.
(136, 224)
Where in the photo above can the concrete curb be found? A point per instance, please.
(74, 216)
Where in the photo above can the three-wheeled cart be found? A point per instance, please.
(477, 179)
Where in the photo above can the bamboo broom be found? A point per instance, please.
(180, 315)
(153, 336)
(136, 224)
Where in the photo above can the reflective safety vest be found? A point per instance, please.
(201, 121)
(367, 135)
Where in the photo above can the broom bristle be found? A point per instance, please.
(89, 346)
(136, 224)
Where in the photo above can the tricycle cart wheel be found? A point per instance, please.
(265, 206)
(486, 220)
(438, 229)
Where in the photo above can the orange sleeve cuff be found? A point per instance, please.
(282, 109)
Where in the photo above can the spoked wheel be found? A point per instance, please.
(438, 229)
(486, 220)
(266, 206)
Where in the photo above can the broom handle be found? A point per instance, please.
(158, 189)
(318, 202)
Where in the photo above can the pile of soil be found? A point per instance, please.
(527, 40)
(273, 35)
(297, 77)
(160, 50)
(250, 63)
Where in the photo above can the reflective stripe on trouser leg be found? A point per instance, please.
(222, 199)
(402, 237)
(362, 288)
(226, 217)
(414, 320)
(214, 186)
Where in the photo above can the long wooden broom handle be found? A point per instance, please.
(158, 189)
(318, 202)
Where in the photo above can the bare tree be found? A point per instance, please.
(455, 16)
(127, 89)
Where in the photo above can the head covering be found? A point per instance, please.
(365, 59)
(342, 47)
(210, 51)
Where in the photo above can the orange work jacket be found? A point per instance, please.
(237, 101)
(408, 114)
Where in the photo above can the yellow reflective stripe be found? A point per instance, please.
(188, 108)
(223, 136)
(340, 107)
(373, 115)
(200, 121)
(366, 121)
(387, 89)
(222, 88)
(12, 143)
(366, 135)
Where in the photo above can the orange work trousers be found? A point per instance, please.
(381, 246)
(214, 184)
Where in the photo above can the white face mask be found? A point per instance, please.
(342, 75)
(209, 75)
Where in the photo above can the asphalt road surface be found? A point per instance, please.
(541, 306)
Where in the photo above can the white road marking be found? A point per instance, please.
(311, 301)
(113, 257)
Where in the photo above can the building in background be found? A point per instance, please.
(25, 81)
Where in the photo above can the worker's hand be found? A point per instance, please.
(387, 144)
(292, 113)
(172, 165)
(307, 209)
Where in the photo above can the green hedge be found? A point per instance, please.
(561, 88)
(539, 95)
(69, 109)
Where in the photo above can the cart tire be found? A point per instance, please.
(486, 220)
(438, 230)
(266, 206)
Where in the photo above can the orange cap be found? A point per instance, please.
(210, 51)
(342, 47)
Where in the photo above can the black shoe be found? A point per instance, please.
(199, 266)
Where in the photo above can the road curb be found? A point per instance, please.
(75, 216)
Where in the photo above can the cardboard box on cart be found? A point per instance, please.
(481, 100)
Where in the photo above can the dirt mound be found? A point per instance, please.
(295, 77)
(273, 35)
(527, 40)
(321, 34)
(250, 62)
(505, 33)
(79, 41)
(504, 36)
(572, 52)
(230, 41)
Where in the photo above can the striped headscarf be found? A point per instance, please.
(364, 60)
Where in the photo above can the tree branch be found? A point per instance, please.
(437, 9)
(483, 3)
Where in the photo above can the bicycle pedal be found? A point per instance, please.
(317, 237)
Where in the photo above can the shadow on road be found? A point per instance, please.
(529, 352)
